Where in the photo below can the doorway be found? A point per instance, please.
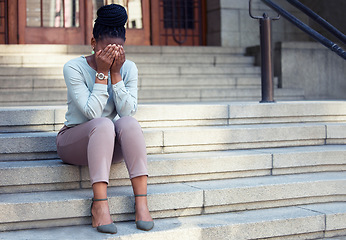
(178, 22)
(53, 22)
(151, 22)
(71, 21)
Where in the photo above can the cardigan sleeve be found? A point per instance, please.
(125, 92)
(90, 103)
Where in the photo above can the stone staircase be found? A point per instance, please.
(32, 74)
(237, 170)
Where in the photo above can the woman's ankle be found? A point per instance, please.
(101, 214)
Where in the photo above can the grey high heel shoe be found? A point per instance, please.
(144, 225)
(109, 228)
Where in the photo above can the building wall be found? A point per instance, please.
(299, 61)
(229, 23)
(312, 67)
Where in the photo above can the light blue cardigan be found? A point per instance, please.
(87, 100)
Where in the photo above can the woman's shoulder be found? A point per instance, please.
(76, 61)
(128, 64)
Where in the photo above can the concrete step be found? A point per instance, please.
(214, 94)
(26, 60)
(201, 82)
(51, 175)
(50, 49)
(41, 145)
(18, 83)
(51, 118)
(59, 96)
(196, 71)
(30, 83)
(313, 221)
(47, 49)
(64, 208)
(151, 69)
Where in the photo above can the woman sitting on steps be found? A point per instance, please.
(100, 87)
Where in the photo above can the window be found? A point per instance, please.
(178, 14)
(133, 8)
(52, 13)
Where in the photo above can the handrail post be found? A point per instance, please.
(267, 70)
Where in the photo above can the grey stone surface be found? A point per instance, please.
(219, 138)
(169, 114)
(308, 156)
(335, 214)
(230, 24)
(289, 223)
(240, 134)
(266, 191)
(318, 67)
(273, 188)
(177, 167)
(45, 84)
(62, 205)
(38, 172)
(170, 168)
(27, 142)
(336, 130)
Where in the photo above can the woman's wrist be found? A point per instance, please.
(101, 76)
(116, 77)
(104, 71)
(105, 82)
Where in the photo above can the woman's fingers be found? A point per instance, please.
(121, 54)
(108, 52)
(106, 57)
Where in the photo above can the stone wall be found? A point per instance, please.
(299, 61)
(229, 23)
(312, 67)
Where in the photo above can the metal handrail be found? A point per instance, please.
(317, 18)
(315, 35)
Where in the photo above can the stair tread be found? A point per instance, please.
(264, 223)
(194, 136)
(184, 129)
(171, 188)
(237, 113)
(19, 173)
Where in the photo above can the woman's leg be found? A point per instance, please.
(92, 144)
(130, 145)
(139, 185)
(100, 210)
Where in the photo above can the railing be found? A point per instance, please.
(266, 50)
(318, 19)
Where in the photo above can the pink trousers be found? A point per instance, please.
(100, 142)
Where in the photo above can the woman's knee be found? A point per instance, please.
(103, 126)
(127, 124)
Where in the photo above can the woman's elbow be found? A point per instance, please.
(91, 113)
(128, 111)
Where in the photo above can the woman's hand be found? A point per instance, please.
(104, 59)
(118, 60)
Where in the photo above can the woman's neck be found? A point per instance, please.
(91, 61)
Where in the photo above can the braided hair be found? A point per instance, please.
(110, 22)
